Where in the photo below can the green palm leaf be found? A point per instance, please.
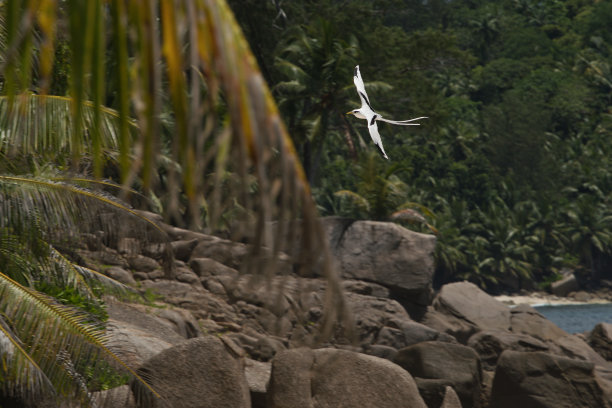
(20, 375)
(58, 203)
(33, 124)
(358, 199)
(45, 356)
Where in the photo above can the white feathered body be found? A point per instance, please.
(366, 112)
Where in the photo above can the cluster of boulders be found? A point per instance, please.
(216, 336)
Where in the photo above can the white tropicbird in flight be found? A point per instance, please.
(366, 112)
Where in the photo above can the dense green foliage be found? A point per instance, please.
(515, 160)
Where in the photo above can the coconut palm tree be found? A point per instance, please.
(316, 65)
(185, 84)
(380, 194)
(589, 226)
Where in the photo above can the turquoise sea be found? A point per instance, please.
(577, 318)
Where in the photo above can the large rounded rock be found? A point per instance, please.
(471, 308)
(449, 324)
(489, 344)
(209, 267)
(329, 378)
(600, 339)
(387, 254)
(403, 333)
(121, 275)
(526, 320)
(136, 335)
(458, 365)
(143, 263)
(564, 286)
(226, 252)
(133, 344)
(183, 249)
(201, 372)
(115, 397)
(537, 379)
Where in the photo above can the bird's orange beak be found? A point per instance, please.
(350, 113)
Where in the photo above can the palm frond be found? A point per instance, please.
(59, 358)
(80, 277)
(291, 70)
(43, 125)
(412, 216)
(58, 203)
(357, 199)
(20, 375)
(290, 87)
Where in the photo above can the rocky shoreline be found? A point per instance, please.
(218, 336)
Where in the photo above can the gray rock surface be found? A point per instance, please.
(564, 286)
(143, 263)
(133, 344)
(526, 320)
(537, 379)
(209, 267)
(201, 372)
(120, 397)
(432, 390)
(458, 365)
(400, 333)
(387, 254)
(136, 335)
(466, 306)
(119, 274)
(228, 253)
(600, 339)
(489, 344)
(329, 378)
(183, 249)
(447, 323)
(257, 375)
(451, 400)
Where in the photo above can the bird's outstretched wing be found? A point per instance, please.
(373, 128)
(402, 122)
(361, 88)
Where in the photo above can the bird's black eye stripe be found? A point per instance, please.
(356, 70)
(373, 119)
(365, 98)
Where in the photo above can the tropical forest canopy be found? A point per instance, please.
(513, 168)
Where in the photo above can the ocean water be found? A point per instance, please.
(577, 318)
